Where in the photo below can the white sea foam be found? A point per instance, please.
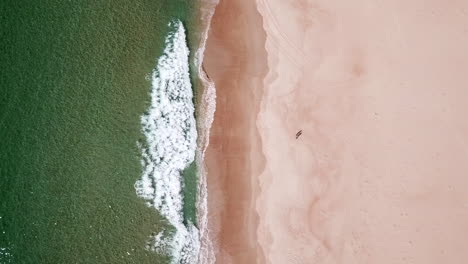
(5, 256)
(170, 131)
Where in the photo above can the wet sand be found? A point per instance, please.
(379, 89)
(235, 59)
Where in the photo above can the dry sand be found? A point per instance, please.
(380, 90)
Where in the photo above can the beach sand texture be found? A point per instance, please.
(379, 90)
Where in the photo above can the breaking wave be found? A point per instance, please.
(170, 144)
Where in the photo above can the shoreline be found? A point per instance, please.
(205, 109)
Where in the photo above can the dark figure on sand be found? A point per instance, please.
(298, 134)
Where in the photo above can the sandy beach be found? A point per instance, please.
(235, 60)
(379, 90)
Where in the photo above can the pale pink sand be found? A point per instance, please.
(380, 90)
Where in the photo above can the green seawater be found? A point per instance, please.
(72, 90)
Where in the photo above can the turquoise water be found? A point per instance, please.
(72, 89)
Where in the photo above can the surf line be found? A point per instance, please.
(169, 147)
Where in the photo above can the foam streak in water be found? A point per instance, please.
(170, 131)
(5, 256)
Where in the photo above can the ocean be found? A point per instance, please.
(78, 103)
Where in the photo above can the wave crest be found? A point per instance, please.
(170, 143)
